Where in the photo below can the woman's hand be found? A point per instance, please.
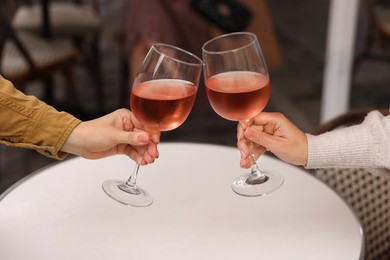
(116, 133)
(273, 132)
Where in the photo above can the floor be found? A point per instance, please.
(296, 86)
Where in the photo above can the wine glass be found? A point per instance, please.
(162, 96)
(238, 88)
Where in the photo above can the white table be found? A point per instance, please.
(61, 212)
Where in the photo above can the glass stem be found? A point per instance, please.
(256, 176)
(255, 170)
(132, 181)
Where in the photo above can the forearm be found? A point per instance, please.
(361, 146)
(30, 123)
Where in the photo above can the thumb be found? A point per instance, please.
(260, 138)
(132, 138)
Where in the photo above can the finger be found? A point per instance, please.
(97, 155)
(245, 163)
(134, 155)
(155, 136)
(240, 132)
(148, 158)
(152, 150)
(270, 122)
(245, 160)
(132, 138)
(260, 138)
(246, 123)
(258, 151)
(265, 118)
(254, 155)
(243, 148)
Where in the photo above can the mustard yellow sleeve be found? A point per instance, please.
(27, 122)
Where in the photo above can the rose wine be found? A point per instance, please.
(238, 95)
(162, 104)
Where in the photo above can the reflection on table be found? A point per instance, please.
(61, 212)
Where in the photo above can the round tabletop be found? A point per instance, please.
(61, 212)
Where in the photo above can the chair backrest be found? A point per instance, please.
(354, 116)
(366, 194)
(369, 198)
(377, 24)
(8, 33)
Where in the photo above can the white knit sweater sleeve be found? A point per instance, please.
(366, 145)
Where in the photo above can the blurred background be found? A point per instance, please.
(98, 45)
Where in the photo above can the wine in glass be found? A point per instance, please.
(162, 96)
(238, 88)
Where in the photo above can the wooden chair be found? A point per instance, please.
(354, 116)
(378, 34)
(366, 194)
(74, 20)
(25, 58)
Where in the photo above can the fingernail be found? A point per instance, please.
(143, 139)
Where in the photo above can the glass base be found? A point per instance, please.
(125, 194)
(246, 186)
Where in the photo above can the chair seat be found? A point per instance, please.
(65, 19)
(45, 54)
